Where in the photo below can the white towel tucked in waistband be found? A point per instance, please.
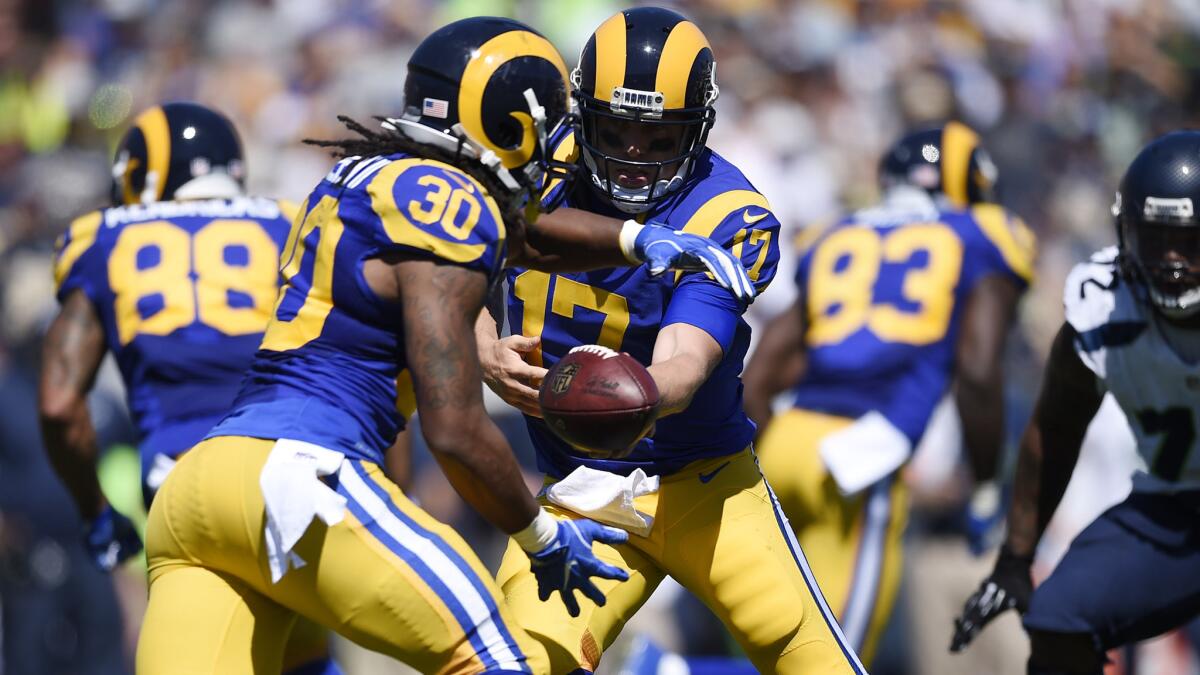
(864, 452)
(606, 497)
(294, 495)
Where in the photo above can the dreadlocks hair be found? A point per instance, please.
(387, 141)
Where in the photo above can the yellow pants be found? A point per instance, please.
(854, 543)
(388, 577)
(717, 532)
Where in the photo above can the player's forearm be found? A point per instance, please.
(980, 403)
(1030, 497)
(684, 357)
(480, 466)
(571, 240)
(71, 354)
(777, 363)
(486, 330)
(677, 380)
(1050, 448)
(71, 445)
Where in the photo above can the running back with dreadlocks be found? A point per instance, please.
(388, 141)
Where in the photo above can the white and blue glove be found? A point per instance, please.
(111, 539)
(983, 520)
(560, 553)
(663, 248)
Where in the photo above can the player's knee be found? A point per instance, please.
(1064, 654)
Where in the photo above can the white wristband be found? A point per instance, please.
(985, 499)
(629, 233)
(537, 535)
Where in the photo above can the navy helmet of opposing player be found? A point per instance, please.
(178, 151)
(947, 161)
(645, 86)
(1157, 226)
(493, 90)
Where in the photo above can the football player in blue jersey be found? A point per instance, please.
(385, 270)
(898, 305)
(177, 280)
(695, 504)
(1131, 329)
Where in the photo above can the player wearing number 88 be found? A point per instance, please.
(1132, 314)
(177, 280)
(182, 262)
(896, 303)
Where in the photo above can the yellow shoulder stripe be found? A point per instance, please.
(80, 237)
(1008, 233)
(712, 213)
(808, 235)
(403, 231)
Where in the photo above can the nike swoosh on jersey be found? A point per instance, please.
(705, 477)
(750, 220)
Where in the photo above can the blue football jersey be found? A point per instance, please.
(884, 290)
(624, 309)
(332, 368)
(184, 290)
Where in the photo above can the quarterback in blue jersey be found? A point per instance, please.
(177, 280)
(283, 510)
(695, 504)
(1131, 330)
(898, 305)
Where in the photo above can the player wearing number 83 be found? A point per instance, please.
(897, 304)
(1132, 314)
(702, 514)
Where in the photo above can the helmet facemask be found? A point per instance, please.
(636, 152)
(1163, 250)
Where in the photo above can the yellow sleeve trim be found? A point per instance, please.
(1008, 233)
(401, 230)
(712, 213)
(81, 235)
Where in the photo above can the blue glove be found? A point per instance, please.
(983, 520)
(567, 562)
(662, 248)
(111, 539)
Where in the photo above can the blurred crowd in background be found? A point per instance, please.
(812, 91)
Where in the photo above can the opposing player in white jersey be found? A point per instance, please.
(1133, 329)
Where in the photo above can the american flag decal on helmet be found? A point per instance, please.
(435, 107)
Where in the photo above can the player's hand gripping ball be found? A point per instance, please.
(600, 401)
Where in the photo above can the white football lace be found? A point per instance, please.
(598, 350)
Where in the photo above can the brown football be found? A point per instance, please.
(598, 400)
